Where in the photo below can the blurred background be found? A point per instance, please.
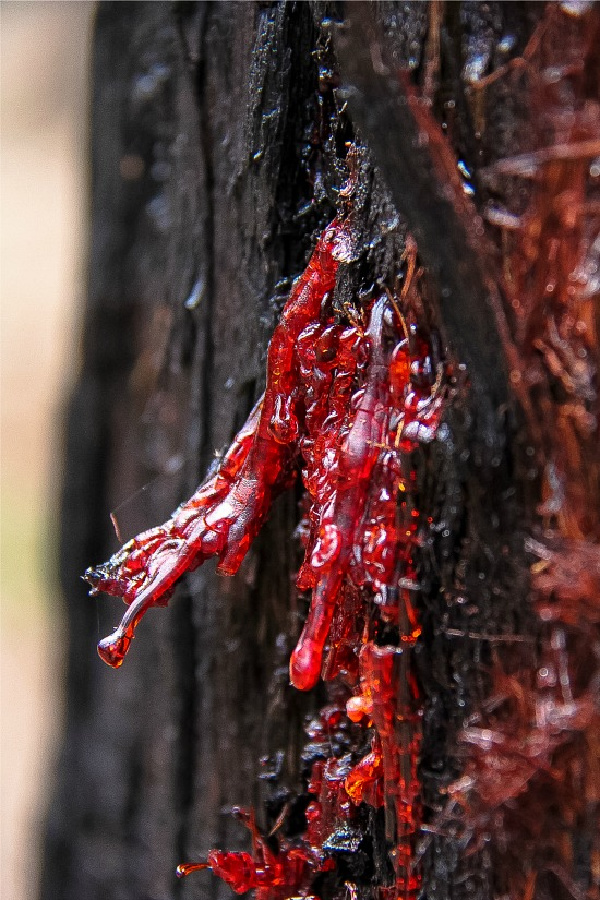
(44, 80)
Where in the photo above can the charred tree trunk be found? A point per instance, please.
(219, 136)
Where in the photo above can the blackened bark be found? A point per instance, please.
(199, 121)
(217, 152)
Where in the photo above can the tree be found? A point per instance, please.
(219, 139)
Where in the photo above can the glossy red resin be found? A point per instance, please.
(227, 510)
(345, 402)
(290, 869)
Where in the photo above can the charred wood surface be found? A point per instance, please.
(218, 144)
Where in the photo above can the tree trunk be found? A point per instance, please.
(218, 143)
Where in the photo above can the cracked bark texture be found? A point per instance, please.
(202, 135)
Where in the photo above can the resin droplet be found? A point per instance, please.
(184, 869)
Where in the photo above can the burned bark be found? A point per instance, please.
(219, 138)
